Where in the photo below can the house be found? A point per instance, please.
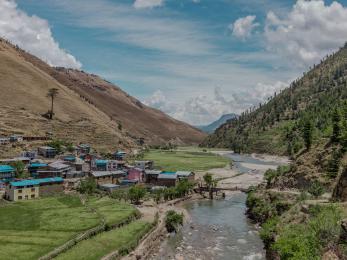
(128, 182)
(16, 138)
(134, 173)
(6, 172)
(31, 189)
(145, 165)
(168, 179)
(103, 177)
(24, 160)
(34, 167)
(120, 155)
(47, 151)
(84, 148)
(190, 176)
(54, 169)
(109, 187)
(50, 186)
(22, 190)
(107, 165)
(4, 140)
(151, 176)
(29, 154)
(2, 189)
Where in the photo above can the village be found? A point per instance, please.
(44, 171)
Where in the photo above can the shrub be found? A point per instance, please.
(87, 186)
(173, 220)
(136, 193)
(268, 231)
(316, 189)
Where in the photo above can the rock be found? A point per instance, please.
(305, 209)
(189, 247)
(343, 235)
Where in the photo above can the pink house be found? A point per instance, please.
(135, 174)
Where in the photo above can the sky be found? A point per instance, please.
(193, 59)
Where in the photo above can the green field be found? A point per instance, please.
(185, 159)
(107, 242)
(31, 229)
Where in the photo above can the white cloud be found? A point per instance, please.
(33, 35)
(204, 109)
(308, 32)
(242, 28)
(140, 4)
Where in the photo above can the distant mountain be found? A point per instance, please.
(213, 126)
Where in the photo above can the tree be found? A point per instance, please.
(316, 189)
(210, 183)
(173, 220)
(52, 93)
(87, 186)
(136, 193)
(335, 137)
(308, 134)
(19, 167)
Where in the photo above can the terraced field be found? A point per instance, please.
(31, 229)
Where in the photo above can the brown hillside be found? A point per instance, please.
(86, 103)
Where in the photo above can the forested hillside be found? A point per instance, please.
(307, 108)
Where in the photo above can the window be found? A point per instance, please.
(19, 197)
(32, 196)
(20, 191)
(32, 189)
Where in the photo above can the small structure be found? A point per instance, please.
(2, 189)
(168, 179)
(29, 154)
(24, 160)
(100, 165)
(107, 165)
(84, 148)
(51, 186)
(120, 155)
(109, 187)
(144, 165)
(135, 174)
(47, 151)
(34, 167)
(16, 138)
(151, 176)
(4, 140)
(6, 172)
(190, 176)
(103, 177)
(128, 182)
(54, 169)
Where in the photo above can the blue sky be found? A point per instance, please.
(193, 59)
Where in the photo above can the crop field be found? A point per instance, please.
(30, 229)
(102, 244)
(181, 160)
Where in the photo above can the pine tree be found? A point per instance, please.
(308, 134)
(336, 126)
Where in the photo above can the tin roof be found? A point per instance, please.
(36, 182)
(152, 172)
(6, 168)
(101, 162)
(107, 173)
(184, 173)
(167, 175)
(38, 165)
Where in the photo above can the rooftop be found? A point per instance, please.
(47, 148)
(6, 168)
(101, 161)
(152, 172)
(184, 173)
(107, 173)
(166, 175)
(38, 165)
(36, 182)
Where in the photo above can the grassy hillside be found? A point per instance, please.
(87, 108)
(278, 125)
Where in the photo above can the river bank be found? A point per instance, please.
(215, 229)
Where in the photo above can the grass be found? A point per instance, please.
(189, 160)
(31, 229)
(107, 242)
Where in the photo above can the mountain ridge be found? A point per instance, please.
(210, 128)
(105, 106)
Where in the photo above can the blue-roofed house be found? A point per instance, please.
(6, 172)
(120, 155)
(33, 188)
(168, 179)
(34, 167)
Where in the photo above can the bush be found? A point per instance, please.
(136, 193)
(310, 240)
(173, 220)
(87, 186)
(316, 189)
(268, 231)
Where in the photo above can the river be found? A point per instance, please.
(219, 229)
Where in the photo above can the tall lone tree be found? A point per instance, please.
(308, 134)
(52, 93)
